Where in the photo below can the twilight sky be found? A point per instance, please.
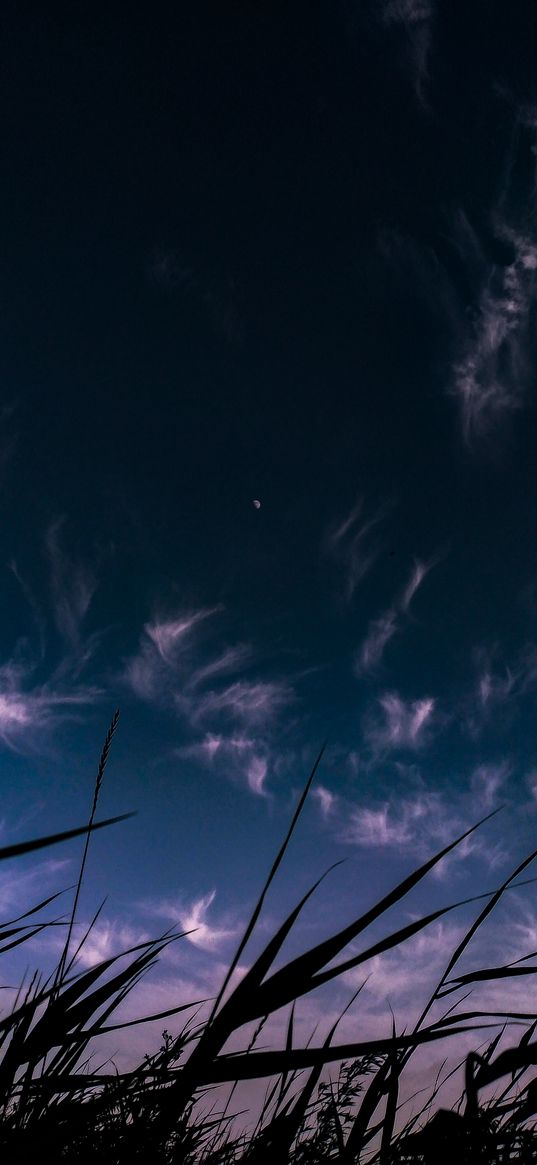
(286, 253)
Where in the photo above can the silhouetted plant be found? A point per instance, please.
(52, 1104)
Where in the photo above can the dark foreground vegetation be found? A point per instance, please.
(54, 1107)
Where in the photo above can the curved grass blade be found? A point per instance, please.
(307, 965)
(253, 1065)
(26, 847)
(273, 871)
(98, 782)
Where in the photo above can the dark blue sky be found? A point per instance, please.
(283, 252)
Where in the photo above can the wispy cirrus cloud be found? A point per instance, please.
(425, 821)
(38, 690)
(392, 823)
(327, 801)
(491, 377)
(228, 717)
(245, 757)
(164, 654)
(379, 633)
(493, 372)
(497, 690)
(73, 585)
(351, 545)
(230, 660)
(382, 629)
(193, 916)
(29, 709)
(402, 724)
(488, 779)
(251, 703)
(415, 20)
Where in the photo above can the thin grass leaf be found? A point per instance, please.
(98, 782)
(509, 971)
(258, 1064)
(235, 1011)
(291, 981)
(156, 1015)
(26, 847)
(35, 909)
(273, 871)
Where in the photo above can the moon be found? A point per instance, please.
(257, 503)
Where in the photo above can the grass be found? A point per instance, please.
(52, 1104)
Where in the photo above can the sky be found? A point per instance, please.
(268, 474)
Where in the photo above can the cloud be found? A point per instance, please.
(256, 774)
(253, 704)
(382, 629)
(415, 19)
(326, 799)
(28, 709)
(379, 633)
(491, 376)
(105, 939)
(241, 756)
(229, 720)
(350, 545)
(192, 916)
(403, 725)
(163, 655)
(230, 660)
(419, 571)
(496, 692)
(73, 585)
(422, 824)
(391, 823)
(399, 974)
(488, 779)
(18, 888)
(167, 635)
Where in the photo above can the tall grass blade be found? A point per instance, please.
(98, 782)
(27, 847)
(273, 871)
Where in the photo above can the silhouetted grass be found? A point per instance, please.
(52, 1105)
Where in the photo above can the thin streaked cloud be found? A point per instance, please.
(164, 655)
(420, 825)
(379, 634)
(256, 775)
(243, 757)
(193, 916)
(252, 704)
(354, 546)
(488, 779)
(382, 629)
(73, 585)
(392, 824)
(29, 710)
(228, 721)
(168, 635)
(403, 724)
(232, 659)
(498, 687)
(491, 376)
(326, 800)
(414, 19)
